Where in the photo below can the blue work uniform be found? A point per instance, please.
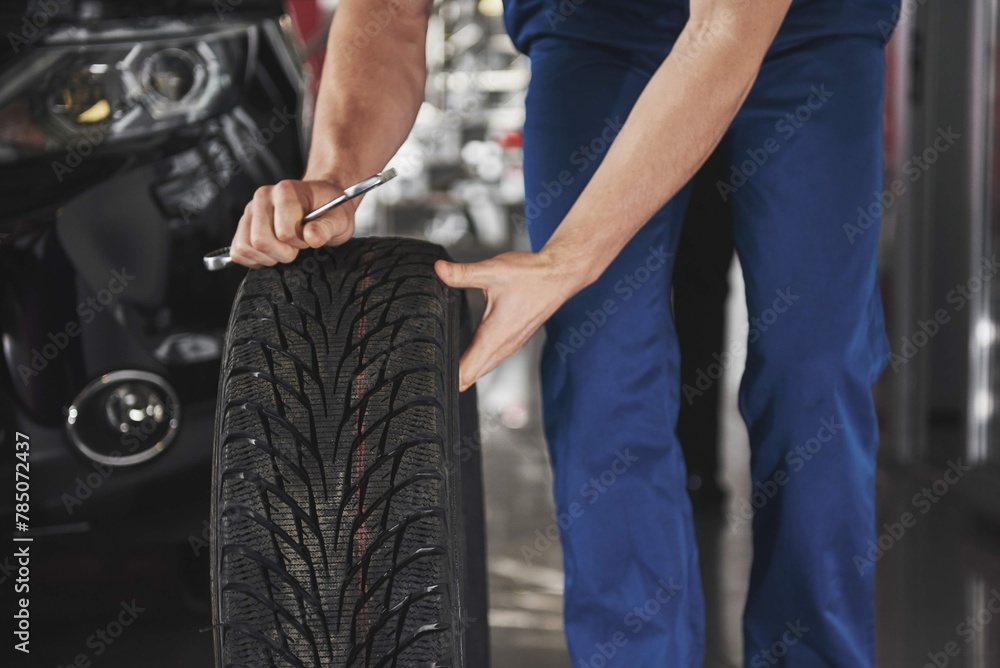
(804, 179)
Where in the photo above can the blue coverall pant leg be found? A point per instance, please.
(805, 184)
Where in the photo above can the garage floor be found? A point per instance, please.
(930, 581)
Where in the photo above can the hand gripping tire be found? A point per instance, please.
(347, 508)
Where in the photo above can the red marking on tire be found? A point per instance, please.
(360, 388)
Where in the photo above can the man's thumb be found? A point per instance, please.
(457, 274)
(326, 230)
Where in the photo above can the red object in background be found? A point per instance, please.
(511, 140)
(310, 24)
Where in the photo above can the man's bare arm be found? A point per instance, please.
(675, 124)
(371, 89)
(370, 94)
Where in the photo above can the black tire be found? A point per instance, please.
(347, 506)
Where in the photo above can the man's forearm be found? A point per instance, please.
(673, 127)
(372, 87)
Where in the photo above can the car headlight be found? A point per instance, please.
(118, 85)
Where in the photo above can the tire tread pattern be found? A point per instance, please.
(337, 539)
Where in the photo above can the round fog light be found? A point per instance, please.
(124, 418)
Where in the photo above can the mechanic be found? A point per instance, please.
(687, 77)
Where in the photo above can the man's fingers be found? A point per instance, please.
(471, 365)
(272, 228)
(241, 251)
(262, 229)
(289, 208)
(488, 348)
(521, 293)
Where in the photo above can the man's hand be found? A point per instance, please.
(271, 229)
(522, 291)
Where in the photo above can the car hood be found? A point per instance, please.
(25, 22)
(82, 9)
(25, 16)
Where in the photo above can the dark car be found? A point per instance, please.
(132, 135)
